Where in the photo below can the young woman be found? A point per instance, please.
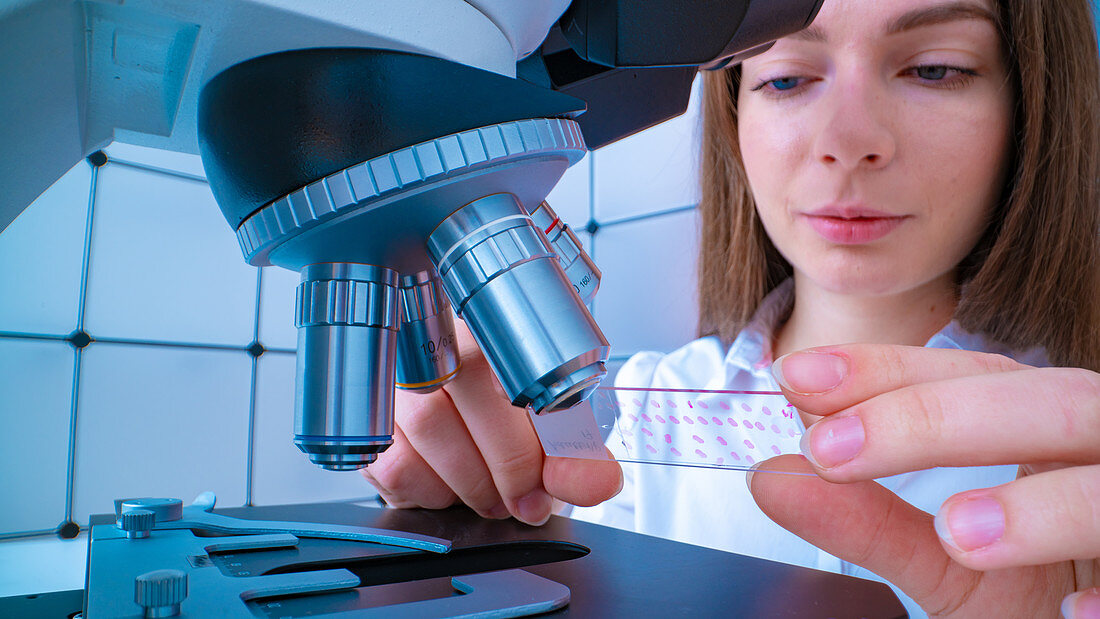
(903, 176)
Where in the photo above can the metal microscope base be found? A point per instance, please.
(494, 569)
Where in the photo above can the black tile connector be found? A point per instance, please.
(98, 159)
(79, 339)
(68, 530)
(256, 349)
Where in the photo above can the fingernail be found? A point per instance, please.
(750, 473)
(1082, 605)
(809, 372)
(832, 442)
(970, 524)
(499, 512)
(534, 508)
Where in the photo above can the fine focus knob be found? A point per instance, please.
(137, 523)
(160, 592)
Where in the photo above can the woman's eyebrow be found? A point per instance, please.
(939, 14)
(924, 16)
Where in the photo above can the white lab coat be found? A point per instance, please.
(713, 508)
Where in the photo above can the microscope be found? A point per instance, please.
(407, 188)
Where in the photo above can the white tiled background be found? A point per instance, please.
(168, 401)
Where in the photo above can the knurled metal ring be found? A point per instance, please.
(403, 169)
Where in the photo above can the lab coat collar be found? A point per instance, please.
(751, 351)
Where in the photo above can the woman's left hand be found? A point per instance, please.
(1028, 548)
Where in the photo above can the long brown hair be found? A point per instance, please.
(1034, 277)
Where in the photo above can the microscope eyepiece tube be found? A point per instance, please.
(427, 353)
(506, 282)
(347, 323)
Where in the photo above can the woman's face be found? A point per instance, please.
(876, 141)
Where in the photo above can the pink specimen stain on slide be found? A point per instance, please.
(646, 414)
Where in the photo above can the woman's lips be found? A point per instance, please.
(852, 227)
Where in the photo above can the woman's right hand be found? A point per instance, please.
(1021, 549)
(467, 443)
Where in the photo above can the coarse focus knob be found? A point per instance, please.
(137, 523)
(160, 592)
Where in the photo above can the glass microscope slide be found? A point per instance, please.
(676, 427)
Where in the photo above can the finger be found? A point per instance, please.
(404, 479)
(600, 480)
(821, 381)
(1017, 417)
(435, 430)
(1082, 605)
(865, 524)
(1035, 520)
(502, 433)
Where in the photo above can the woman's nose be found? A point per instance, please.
(854, 130)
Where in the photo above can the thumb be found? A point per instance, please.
(865, 524)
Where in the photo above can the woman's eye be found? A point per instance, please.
(784, 83)
(942, 75)
(780, 85)
(932, 72)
